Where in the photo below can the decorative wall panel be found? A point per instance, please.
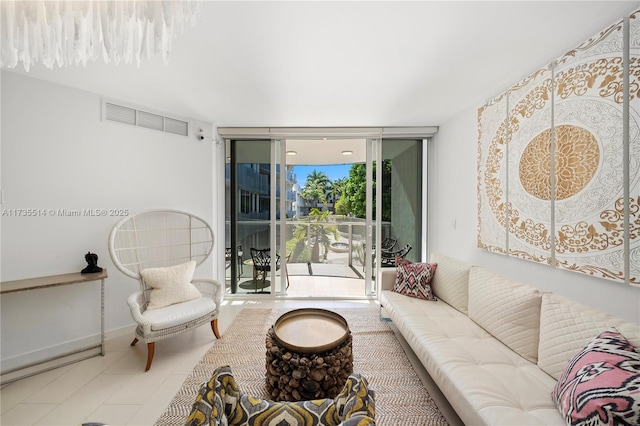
(589, 127)
(529, 165)
(569, 171)
(492, 176)
(634, 149)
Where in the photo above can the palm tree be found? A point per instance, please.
(316, 232)
(313, 232)
(320, 178)
(313, 193)
(334, 191)
(314, 188)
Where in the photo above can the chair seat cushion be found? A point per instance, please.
(179, 313)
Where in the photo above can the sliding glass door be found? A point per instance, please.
(248, 195)
(402, 214)
(307, 208)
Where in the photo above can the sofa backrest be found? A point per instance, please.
(567, 326)
(450, 283)
(508, 309)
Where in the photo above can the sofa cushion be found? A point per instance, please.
(566, 326)
(507, 309)
(414, 280)
(600, 384)
(451, 282)
(485, 381)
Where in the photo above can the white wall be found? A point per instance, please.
(58, 154)
(453, 197)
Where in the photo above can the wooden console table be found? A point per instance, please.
(67, 358)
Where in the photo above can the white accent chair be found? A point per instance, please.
(165, 238)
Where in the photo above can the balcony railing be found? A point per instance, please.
(349, 244)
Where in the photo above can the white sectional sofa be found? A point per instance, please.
(495, 347)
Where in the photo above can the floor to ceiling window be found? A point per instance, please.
(402, 213)
(247, 214)
(305, 202)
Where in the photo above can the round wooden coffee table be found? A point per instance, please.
(309, 355)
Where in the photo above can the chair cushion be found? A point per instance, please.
(356, 400)
(179, 313)
(359, 421)
(220, 402)
(170, 285)
(600, 384)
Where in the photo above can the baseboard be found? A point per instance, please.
(55, 356)
(39, 355)
(438, 397)
(128, 330)
(58, 360)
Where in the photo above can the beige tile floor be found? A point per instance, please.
(114, 389)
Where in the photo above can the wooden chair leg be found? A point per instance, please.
(151, 347)
(135, 340)
(214, 327)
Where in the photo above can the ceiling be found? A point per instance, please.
(315, 64)
(331, 151)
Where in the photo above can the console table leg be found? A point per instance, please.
(102, 317)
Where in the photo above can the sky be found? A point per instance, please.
(334, 172)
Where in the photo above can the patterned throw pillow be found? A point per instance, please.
(401, 261)
(601, 384)
(414, 280)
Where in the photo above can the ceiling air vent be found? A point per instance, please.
(120, 114)
(149, 120)
(178, 127)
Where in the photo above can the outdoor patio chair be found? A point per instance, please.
(161, 249)
(228, 258)
(388, 244)
(261, 259)
(385, 246)
(388, 258)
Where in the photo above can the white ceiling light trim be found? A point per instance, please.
(67, 32)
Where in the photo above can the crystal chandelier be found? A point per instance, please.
(67, 32)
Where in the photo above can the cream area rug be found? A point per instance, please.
(401, 399)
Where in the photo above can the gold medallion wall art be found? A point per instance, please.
(528, 157)
(492, 172)
(634, 148)
(559, 161)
